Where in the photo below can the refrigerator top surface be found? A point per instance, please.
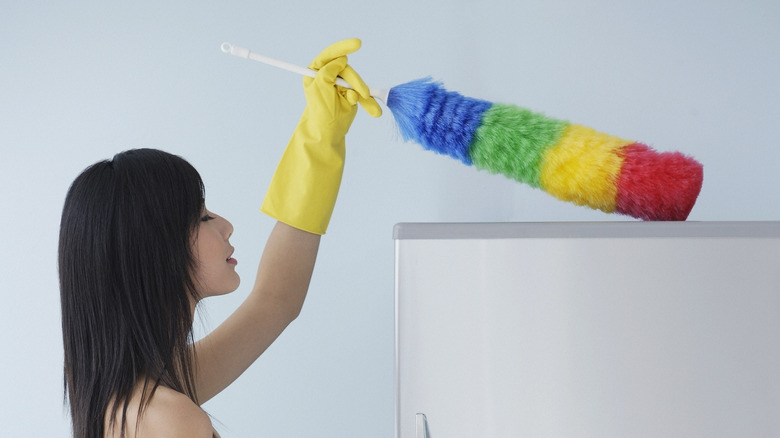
(617, 229)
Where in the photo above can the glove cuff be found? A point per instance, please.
(306, 183)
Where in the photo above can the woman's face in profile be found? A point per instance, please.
(215, 267)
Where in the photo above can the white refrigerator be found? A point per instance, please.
(602, 329)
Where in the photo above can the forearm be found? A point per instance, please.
(283, 277)
(285, 269)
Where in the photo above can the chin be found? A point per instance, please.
(224, 288)
(233, 286)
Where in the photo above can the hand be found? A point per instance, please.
(304, 188)
(330, 64)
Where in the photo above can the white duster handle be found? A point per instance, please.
(245, 53)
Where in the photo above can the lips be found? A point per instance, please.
(230, 258)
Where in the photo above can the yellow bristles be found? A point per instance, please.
(583, 168)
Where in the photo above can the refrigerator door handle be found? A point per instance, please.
(422, 426)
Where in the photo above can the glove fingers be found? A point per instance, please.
(355, 81)
(364, 94)
(371, 106)
(351, 96)
(332, 63)
(336, 50)
(330, 71)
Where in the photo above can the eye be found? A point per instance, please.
(206, 218)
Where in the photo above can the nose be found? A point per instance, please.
(223, 225)
(228, 229)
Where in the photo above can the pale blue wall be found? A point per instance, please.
(82, 80)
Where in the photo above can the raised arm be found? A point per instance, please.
(301, 197)
(280, 288)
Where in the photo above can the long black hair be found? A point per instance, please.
(126, 283)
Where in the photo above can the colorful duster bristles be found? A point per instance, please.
(571, 162)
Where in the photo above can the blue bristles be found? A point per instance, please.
(440, 120)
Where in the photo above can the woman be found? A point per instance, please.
(139, 249)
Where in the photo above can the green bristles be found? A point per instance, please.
(511, 141)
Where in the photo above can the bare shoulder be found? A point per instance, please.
(173, 414)
(168, 414)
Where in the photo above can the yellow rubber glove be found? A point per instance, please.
(304, 187)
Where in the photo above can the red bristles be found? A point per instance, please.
(657, 186)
